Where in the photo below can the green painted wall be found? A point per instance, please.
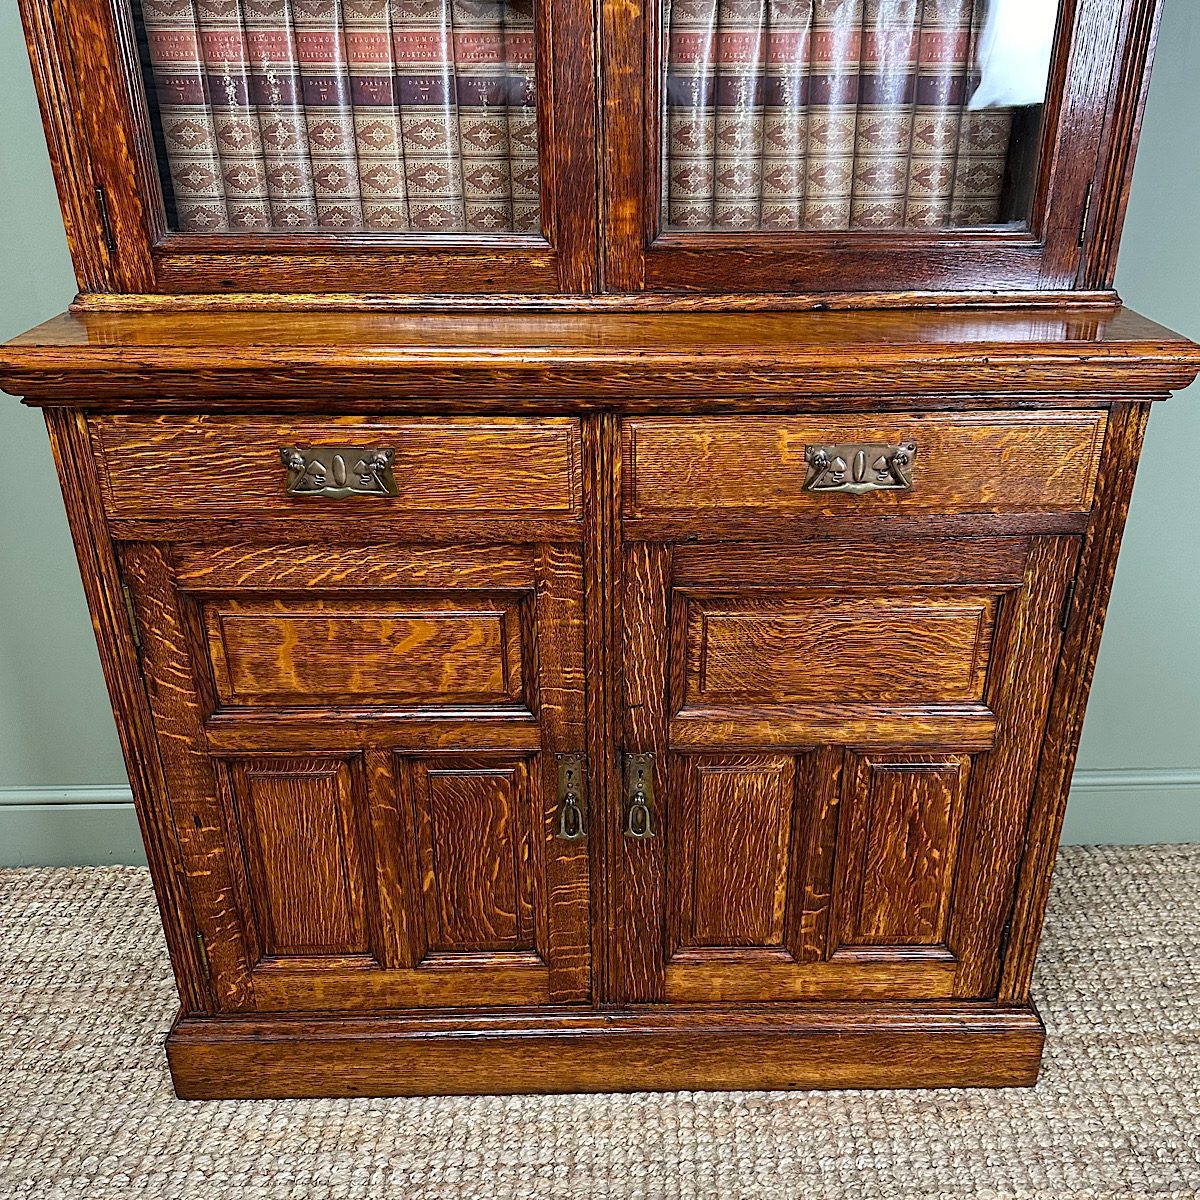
(61, 778)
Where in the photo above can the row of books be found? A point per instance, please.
(347, 115)
(829, 114)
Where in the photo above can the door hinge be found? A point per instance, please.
(131, 615)
(1064, 617)
(110, 238)
(1086, 214)
(202, 950)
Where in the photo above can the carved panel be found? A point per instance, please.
(479, 850)
(731, 839)
(465, 649)
(901, 823)
(298, 823)
(821, 647)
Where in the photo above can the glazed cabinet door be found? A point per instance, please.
(841, 740)
(365, 747)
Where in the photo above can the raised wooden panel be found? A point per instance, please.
(905, 647)
(732, 835)
(485, 468)
(415, 649)
(986, 462)
(303, 850)
(478, 854)
(902, 819)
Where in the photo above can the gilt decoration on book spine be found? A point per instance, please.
(275, 89)
(377, 132)
(519, 47)
(235, 116)
(186, 115)
(690, 117)
(833, 92)
(328, 113)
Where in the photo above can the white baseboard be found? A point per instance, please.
(79, 826)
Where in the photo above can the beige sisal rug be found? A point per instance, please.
(86, 1108)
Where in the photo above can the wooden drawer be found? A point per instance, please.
(445, 468)
(967, 462)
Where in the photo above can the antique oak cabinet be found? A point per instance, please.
(597, 518)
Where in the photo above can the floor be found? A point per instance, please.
(86, 1108)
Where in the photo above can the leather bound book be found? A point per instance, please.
(275, 89)
(519, 45)
(189, 132)
(942, 62)
(691, 119)
(785, 113)
(422, 42)
(885, 114)
(235, 116)
(328, 113)
(377, 133)
(833, 110)
(741, 43)
(482, 92)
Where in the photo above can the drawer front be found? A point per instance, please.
(482, 469)
(986, 462)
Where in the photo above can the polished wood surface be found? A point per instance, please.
(509, 362)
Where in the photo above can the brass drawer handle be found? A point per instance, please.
(336, 472)
(859, 467)
(639, 796)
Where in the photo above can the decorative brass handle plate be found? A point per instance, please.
(859, 467)
(572, 810)
(639, 796)
(336, 472)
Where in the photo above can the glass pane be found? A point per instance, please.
(852, 114)
(384, 116)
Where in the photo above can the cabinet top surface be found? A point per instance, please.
(135, 353)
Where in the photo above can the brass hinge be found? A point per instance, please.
(131, 614)
(1064, 617)
(202, 948)
(1087, 212)
(110, 238)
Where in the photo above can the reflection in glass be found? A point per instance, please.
(386, 116)
(852, 114)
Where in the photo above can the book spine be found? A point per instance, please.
(983, 138)
(525, 169)
(737, 165)
(189, 131)
(884, 129)
(942, 62)
(239, 139)
(275, 89)
(377, 133)
(833, 90)
(328, 113)
(481, 75)
(785, 114)
(422, 44)
(691, 114)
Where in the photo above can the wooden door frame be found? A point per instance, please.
(1097, 94)
(96, 119)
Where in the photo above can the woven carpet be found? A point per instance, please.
(86, 1107)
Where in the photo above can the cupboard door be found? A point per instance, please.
(843, 749)
(362, 747)
(438, 147)
(856, 145)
